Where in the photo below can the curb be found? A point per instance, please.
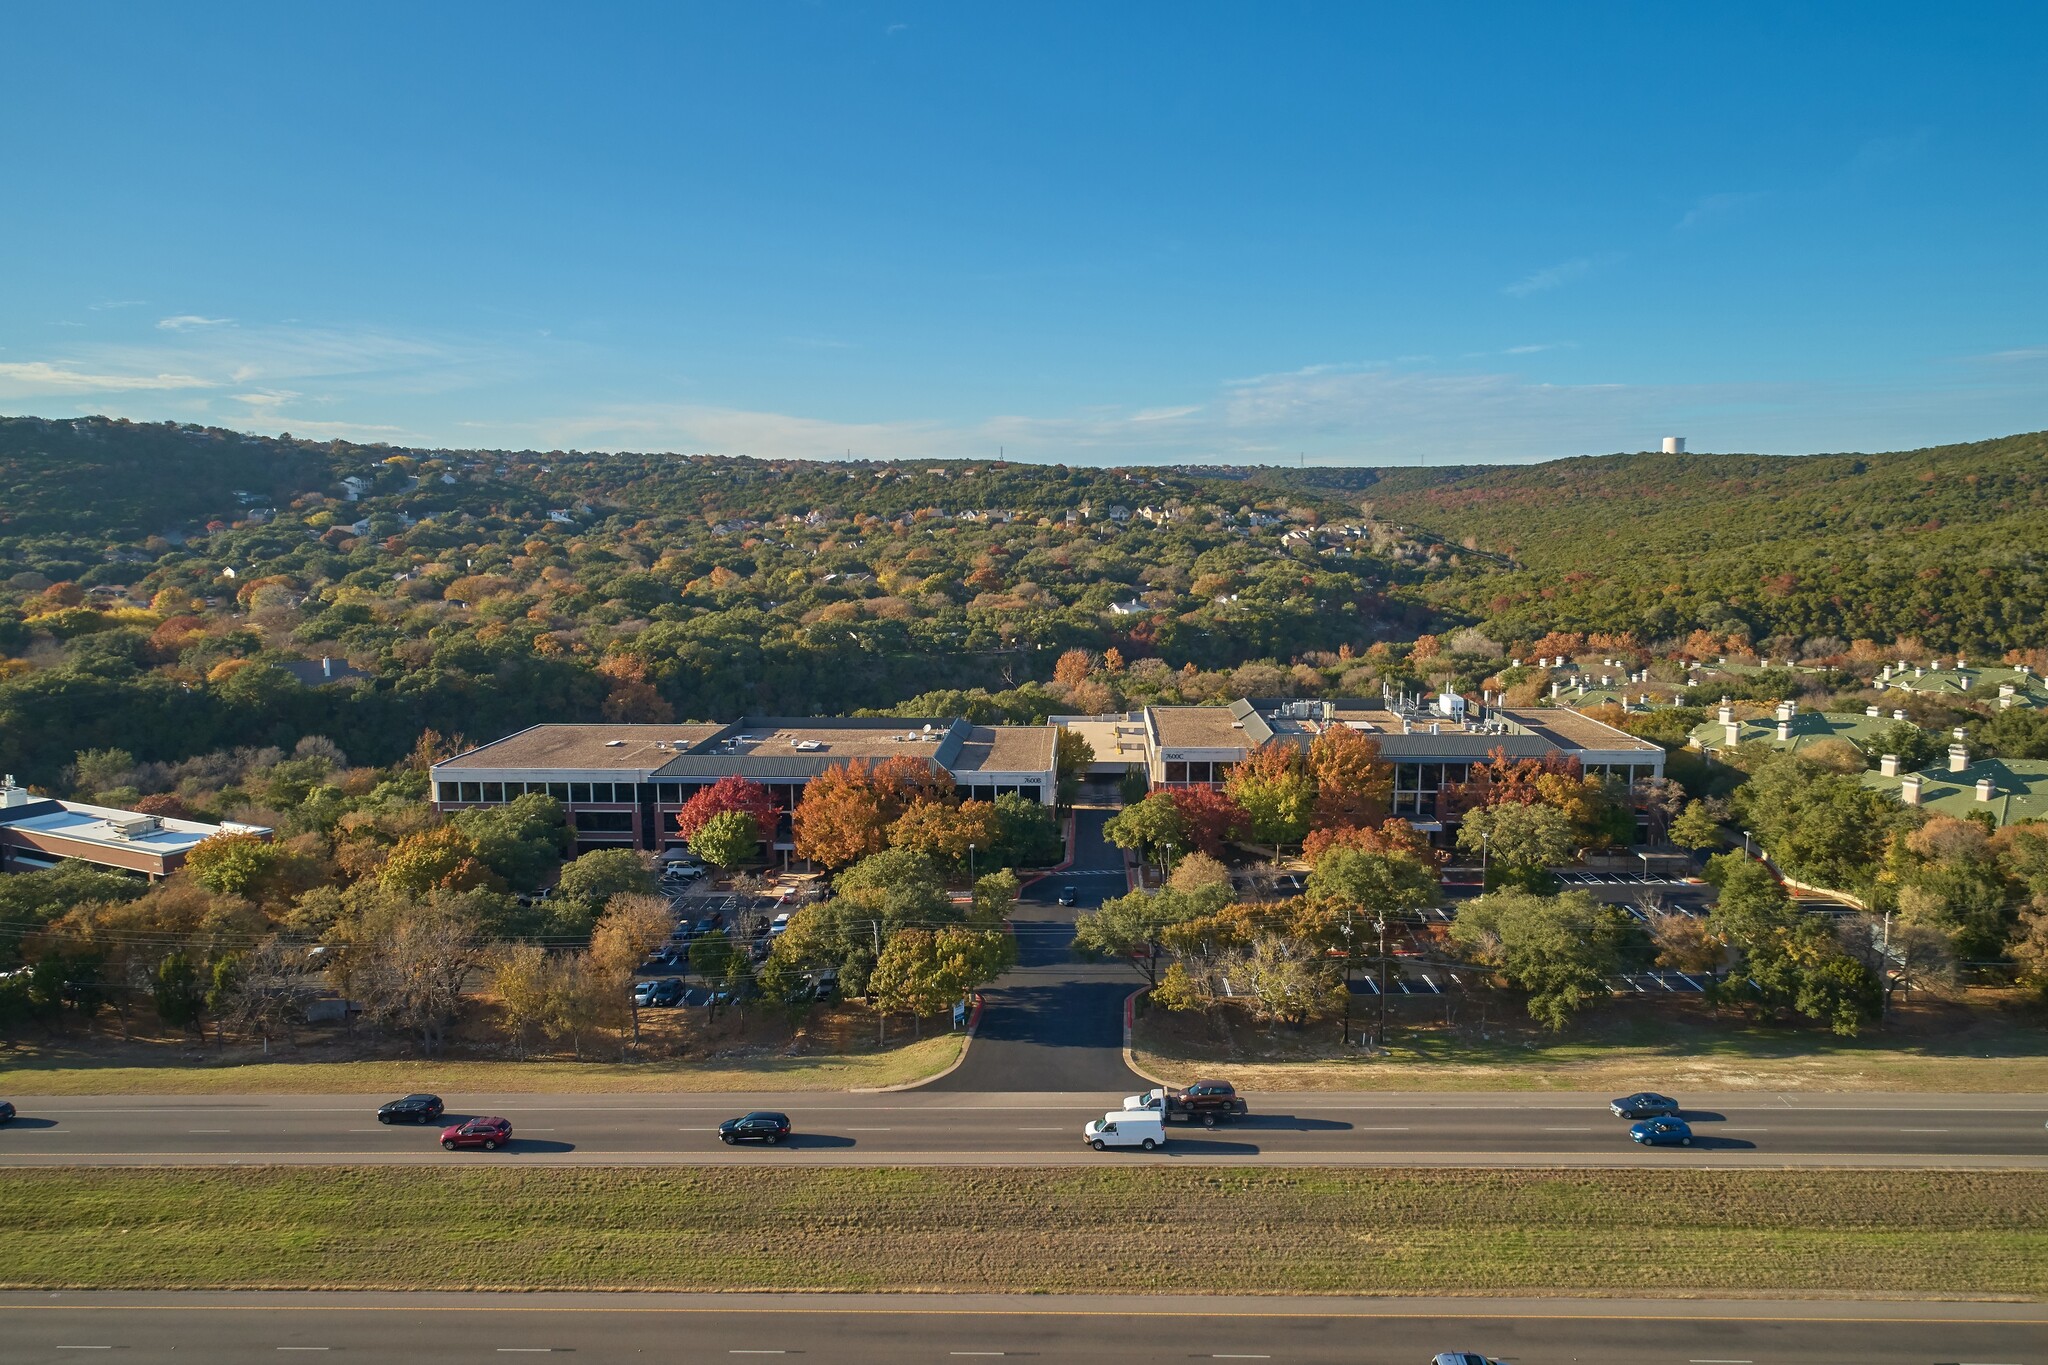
(1130, 1057)
(973, 1023)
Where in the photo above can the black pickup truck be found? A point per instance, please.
(1206, 1102)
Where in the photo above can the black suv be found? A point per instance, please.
(759, 1126)
(667, 993)
(411, 1109)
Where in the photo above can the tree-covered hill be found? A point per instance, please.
(1945, 545)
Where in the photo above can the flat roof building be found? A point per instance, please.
(38, 832)
(623, 784)
(1430, 746)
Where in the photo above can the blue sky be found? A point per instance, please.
(1100, 234)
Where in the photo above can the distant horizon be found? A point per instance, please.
(1184, 465)
(1357, 235)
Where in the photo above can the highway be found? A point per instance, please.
(228, 1328)
(929, 1127)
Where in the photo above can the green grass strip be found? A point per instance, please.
(1138, 1228)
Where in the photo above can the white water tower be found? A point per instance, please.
(1674, 445)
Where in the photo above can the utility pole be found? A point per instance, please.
(1347, 977)
(1380, 1039)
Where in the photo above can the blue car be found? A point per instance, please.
(1662, 1133)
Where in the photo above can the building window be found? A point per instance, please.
(472, 792)
(1032, 792)
(450, 792)
(604, 821)
(494, 791)
(579, 793)
(1176, 770)
(600, 791)
(559, 790)
(671, 793)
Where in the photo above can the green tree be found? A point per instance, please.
(1695, 829)
(1153, 829)
(1558, 949)
(1517, 839)
(1276, 793)
(995, 895)
(522, 841)
(175, 987)
(1134, 924)
(727, 839)
(1373, 886)
(710, 955)
(233, 864)
(593, 879)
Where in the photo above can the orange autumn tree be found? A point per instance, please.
(847, 810)
(1393, 835)
(1354, 785)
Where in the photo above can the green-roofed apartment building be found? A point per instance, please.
(2010, 791)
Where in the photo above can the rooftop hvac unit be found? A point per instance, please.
(133, 826)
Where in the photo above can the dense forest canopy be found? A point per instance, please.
(1943, 545)
(170, 590)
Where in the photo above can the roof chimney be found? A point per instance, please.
(1787, 709)
(1727, 711)
(1909, 789)
(12, 795)
(1732, 732)
(1958, 757)
(1888, 766)
(1784, 732)
(1986, 789)
(1898, 715)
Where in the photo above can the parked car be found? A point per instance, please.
(778, 925)
(411, 1109)
(643, 993)
(759, 1126)
(1662, 1133)
(1462, 1358)
(667, 993)
(1068, 894)
(1125, 1128)
(487, 1133)
(6, 1111)
(825, 987)
(681, 872)
(1645, 1105)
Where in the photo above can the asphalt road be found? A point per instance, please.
(888, 1330)
(1052, 1023)
(926, 1127)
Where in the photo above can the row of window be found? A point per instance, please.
(667, 793)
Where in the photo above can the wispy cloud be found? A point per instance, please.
(1550, 277)
(1164, 414)
(2021, 356)
(185, 322)
(117, 303)
(1714, 208)
(37, 378)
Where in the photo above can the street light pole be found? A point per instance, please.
(1745, 843)
(1485, 839)
(970, 864)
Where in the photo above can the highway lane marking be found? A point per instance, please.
(210, 1132)
(869, 1130)
(305, 1348)
(85, 1348)
(1567, 1130)
(1923, 1130)
(1723, 1362)
(1356, 1129)
(974, 1353)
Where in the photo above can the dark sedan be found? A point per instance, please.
(411, 1109)
(759, 1126)
(487, 1133)
(6, 1111)
(1661, 1133)
(1067, 896)
(1646, 1105)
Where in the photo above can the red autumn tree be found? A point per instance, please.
(1209, 816)
(1505, 781)
(729, 793)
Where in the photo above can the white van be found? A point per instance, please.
(1125, 1128)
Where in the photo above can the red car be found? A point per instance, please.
(489, 1134)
